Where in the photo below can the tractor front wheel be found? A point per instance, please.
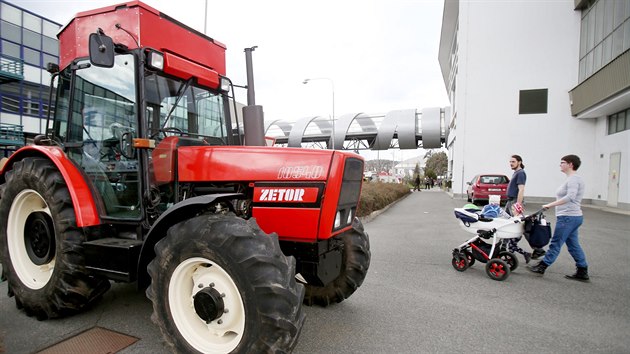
(219, 284)
(40, 244)
(355, 262)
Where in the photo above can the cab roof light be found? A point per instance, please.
(224, 84)
(155, 60)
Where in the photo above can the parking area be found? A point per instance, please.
(413, 300)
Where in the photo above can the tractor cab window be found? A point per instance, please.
(177, 107)
(102, 117)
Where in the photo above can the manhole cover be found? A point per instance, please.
(95, 340)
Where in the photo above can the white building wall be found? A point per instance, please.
(505, 47)
(10, 118)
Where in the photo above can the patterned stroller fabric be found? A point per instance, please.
(491, 211)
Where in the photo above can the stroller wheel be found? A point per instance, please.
(460, 262)
(470, 257)
(497, 269)
(510, 259)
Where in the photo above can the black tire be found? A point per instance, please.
(460, 262)
(355, 261)
(249, 300)
(510, 259)
(497, 269)
(45, 267)
(468, 199)
(470, 257)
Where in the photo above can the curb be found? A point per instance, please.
(366, 219)
(607, 209)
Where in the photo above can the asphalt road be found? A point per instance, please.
(413, 301)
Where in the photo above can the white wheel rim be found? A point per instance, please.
(32, 275)
(222, 335)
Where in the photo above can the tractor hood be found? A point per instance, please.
(245, 163)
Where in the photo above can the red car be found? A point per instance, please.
(482, 186)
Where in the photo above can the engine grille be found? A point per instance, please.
(349, 194)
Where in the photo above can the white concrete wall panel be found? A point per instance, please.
(505, 47)
(10, 118)
(32, 124)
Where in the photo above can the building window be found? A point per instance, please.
(32, 22)
(619, 122)
(532, 101)
(50, 45)
(32, 57)
(50, 29)
(11, 14)
(10, 104)
(604, 34)
(11, 49)
(31, 39)
(10, 32)
(49, 59)
(24, 99)
(31, 99)
(10, 97)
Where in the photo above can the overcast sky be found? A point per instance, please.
(381, 55)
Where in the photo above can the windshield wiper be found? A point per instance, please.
(180, 93)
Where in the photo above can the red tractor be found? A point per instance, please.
(141, 177)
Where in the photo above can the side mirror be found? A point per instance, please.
(126, 145)
(101, 50)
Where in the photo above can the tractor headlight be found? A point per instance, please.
(155, 60)
(337, 219)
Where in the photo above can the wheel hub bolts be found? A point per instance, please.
(209, 304)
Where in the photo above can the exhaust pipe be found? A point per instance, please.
(253, 116)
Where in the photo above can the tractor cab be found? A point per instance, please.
(121, 98)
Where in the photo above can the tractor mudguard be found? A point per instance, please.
(178, 212)
(80, 193)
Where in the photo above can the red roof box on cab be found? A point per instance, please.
(149, 27)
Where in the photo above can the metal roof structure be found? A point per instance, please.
(403, 129)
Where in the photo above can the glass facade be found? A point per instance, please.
(30, 40)
(605, 34)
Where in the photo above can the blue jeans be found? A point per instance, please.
(566, 231)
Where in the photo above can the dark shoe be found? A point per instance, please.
(538, 252)
(527, 256)
(581, 274)
(539, 268)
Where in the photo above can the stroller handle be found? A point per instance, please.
(537, 213)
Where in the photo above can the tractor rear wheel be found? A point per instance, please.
(40, 244)
(354, 266)
(220, 284)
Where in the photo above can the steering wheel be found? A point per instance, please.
(164, 131)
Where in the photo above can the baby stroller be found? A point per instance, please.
(499, 261)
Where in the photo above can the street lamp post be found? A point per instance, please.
(332, 85)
